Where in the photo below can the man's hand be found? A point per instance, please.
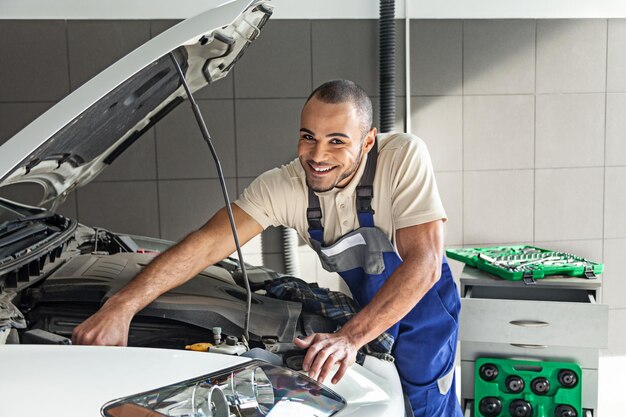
(108, 327)
(325, 350)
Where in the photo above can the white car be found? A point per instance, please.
(54, 272)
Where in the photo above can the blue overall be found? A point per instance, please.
(426, 338)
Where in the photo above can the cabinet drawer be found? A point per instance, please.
(589, 378)
(585, 357)
(527, 322)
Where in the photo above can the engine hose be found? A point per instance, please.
(290, 251)
(387, 65)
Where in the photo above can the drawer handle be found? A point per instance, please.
(529, 323)
(529, 346)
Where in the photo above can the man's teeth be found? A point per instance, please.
(322, 169)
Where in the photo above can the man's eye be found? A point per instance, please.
(307, 137)
(336, 142)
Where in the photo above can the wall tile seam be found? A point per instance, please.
(519, 168)
(235, 134)
(161, 179)
(497, 170)
(606, 99)
(540, 245)
(286, 98)
(312, 82)
(158, 181)
(265, 98)
(570, 240)
(568, 167)
(462, 214)
(569, 93)
(488, 94)
(434, 95)
(452, 245)
(535, 137)
(69, 86)
(481, 245)
(29, 102)
(67, 52)
(534, 168)
(473, 95)
(210, 99)
(491, 94)
(158, 178)
(259, 98)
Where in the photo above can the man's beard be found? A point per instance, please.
(341, 177)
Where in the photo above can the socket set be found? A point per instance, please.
(527, 263)
(516, 388)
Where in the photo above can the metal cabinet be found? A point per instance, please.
(556, 319)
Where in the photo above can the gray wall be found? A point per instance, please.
(524, 120)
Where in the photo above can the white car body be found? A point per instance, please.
(77, 381)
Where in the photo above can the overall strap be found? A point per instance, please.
(314, 218)
(364, 195)
(365, 189)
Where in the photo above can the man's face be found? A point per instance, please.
(331, 146)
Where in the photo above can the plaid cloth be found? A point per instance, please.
(331, 304)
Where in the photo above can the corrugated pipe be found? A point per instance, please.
(387, 65)
(290, 252)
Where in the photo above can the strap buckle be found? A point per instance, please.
(314, 217)
(364, 195)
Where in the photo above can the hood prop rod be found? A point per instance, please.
(207, 139)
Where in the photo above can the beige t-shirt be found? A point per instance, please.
(405, 193)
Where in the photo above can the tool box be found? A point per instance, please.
(508, 387)
(528, 263)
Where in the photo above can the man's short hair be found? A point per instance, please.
(341, 91)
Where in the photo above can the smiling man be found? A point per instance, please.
(335, 166)
(369, 206)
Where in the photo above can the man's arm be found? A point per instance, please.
(421, 248)
(205, 246)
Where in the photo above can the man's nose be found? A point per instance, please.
(318, 153)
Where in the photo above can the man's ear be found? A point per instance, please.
(369, 140)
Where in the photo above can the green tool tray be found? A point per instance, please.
(515, 263)
(507, 387)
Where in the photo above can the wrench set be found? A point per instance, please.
(527, 263)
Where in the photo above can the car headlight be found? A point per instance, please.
(253, 389)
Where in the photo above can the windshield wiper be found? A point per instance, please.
(19, 234)
(11, 225)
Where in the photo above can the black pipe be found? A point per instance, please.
(387, 65)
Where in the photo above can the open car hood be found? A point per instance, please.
(70, 144)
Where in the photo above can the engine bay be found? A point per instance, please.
(96, 263)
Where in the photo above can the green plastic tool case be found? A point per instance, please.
(518, 388)
(515, 263)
